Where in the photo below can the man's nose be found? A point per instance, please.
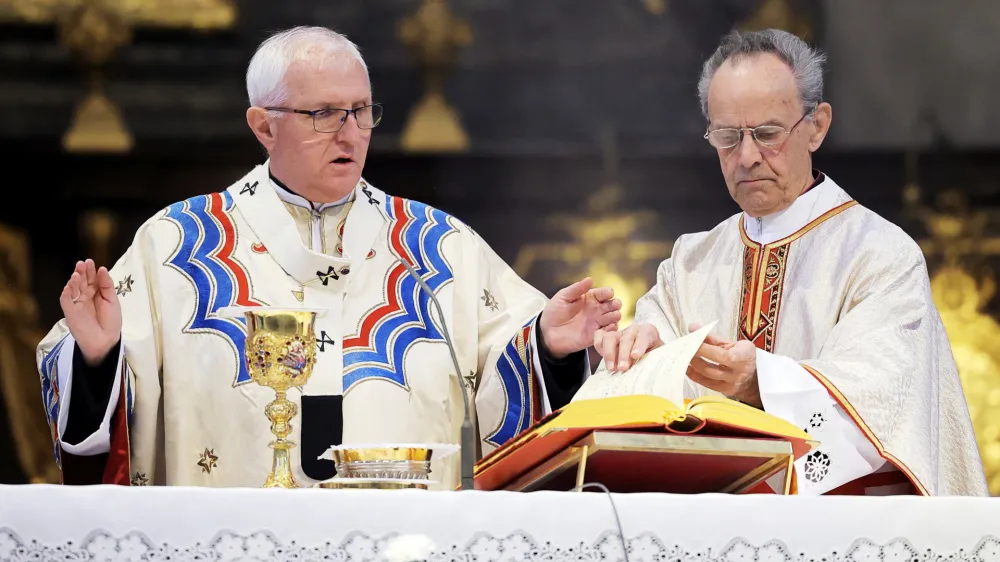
(749, 152)
(349, 130)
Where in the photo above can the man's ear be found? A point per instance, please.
(822, 118)
(262, 126)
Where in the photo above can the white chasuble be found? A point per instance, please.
(850, 345)
(185, 411)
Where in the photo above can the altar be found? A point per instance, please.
(46, 522)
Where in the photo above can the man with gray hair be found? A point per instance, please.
(145, 380)
(823, 308)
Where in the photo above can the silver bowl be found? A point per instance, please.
(397, 463)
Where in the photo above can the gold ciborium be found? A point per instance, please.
(280, 354)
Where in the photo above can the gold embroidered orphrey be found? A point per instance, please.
(760, 301)
(764, 267)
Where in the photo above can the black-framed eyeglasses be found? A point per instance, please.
(331, 120)
(768, 135)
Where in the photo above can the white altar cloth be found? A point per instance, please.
(45, 522)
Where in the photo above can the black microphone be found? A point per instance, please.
(467, 449)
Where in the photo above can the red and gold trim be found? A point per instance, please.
(869, 434)
(760, 302)
(764, 267)
(536, 387)
(900, 483)
(118, 469)
(521, 387)
(522, 342)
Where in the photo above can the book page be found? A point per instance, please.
(661, 372)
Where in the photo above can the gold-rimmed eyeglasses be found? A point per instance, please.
(768, 135)
(332, 119)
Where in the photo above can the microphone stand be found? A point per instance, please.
(468, 446)
(467, 449)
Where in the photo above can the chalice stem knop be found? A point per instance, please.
(280, 412)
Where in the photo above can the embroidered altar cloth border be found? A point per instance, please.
(46, 522)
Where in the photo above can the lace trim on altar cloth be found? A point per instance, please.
(263, 546)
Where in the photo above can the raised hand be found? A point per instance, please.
(573, 315)
(92, 311)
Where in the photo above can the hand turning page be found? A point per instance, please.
(661, 372)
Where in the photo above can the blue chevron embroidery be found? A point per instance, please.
(205, 256)
(515, 376)
(416, 233)
(50, 394)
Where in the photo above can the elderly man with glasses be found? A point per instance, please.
(824, 309)
(145, 381)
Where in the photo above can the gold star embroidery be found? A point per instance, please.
(140, 479)
(124, 286)
(489, 300)
(207, 462)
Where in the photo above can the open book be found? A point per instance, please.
(661, 372)
(648, 397)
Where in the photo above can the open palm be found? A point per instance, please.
(92, 311)
(573, 315)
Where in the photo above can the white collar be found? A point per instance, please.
(277, 229)
(809, 206)
(299, 201)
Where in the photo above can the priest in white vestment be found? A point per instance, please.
(145, 382)
(824, 309)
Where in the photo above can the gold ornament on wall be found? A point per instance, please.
(19, 383)
(434, 36)
(962, 285)
(603, 244)
(98, 228)
(655, 7)
(779, 14)
(94, 30)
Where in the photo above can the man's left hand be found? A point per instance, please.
(573, 315)
(727, 367)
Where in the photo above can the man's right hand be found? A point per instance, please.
(93, 314)
(621, 350)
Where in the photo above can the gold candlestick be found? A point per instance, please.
(280, 354)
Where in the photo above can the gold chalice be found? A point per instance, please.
(280, 354)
